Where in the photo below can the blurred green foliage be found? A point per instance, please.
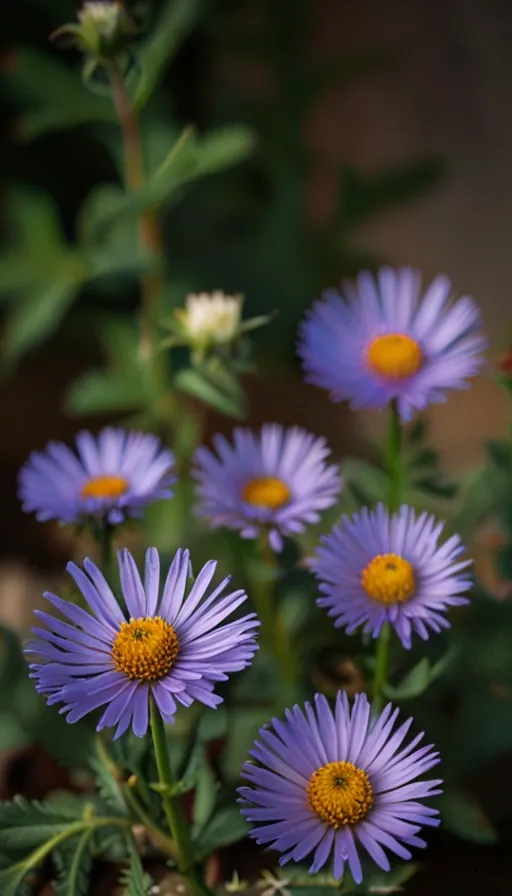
(247, 229)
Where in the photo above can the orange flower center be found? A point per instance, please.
(145, 649)
(389, 579)
(394, 356)
(340, 794)
(265, 491)
(104, 487)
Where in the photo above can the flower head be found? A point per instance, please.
(210, 317)
(376, 568)
(102, 29)
(276, 481)
(173, 648)
(210, 321)
(111, 476)
(327, 783)
(385, 342)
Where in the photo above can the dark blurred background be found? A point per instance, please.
(383, 134)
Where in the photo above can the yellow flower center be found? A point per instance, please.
(389, 578)
(340, 793)
(104, 487)
(394, 356)
(265, 491)
(145, 649)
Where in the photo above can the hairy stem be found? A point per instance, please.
(150, 234)
(173, 811)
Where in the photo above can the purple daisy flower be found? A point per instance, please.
(173, 649)
(111, 476)
(384, 341)
(377, 568)
(276, 481)
(327, 783)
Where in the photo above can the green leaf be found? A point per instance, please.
(363, 196)
(13, 881)
(224, 828)
(368, 483)
(205, 795)
(99, 393)
(463, 816)
(191, 158)
(54, 96)
(417, 432)
(432, 485)
(73, 863)
(425, 458)
(108, 786)
(419, 678)
(133, 878)
(25, 825)
(415, 682)
(391, 881)
(36, 317)
(172, 28)
(194, 383)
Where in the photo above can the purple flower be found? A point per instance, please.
(382, 341)
(329, 783)
(274, 482)
(377, 568)
(173, 649)
(111, 476)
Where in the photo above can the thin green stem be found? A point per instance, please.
(174, 813)
(165, 843)
(172, 808)
(273, 630)
(381, 665)
(394, 462)
(394, 459)
(126, 792)
(105, 545)
(150, 234)
(72, 830)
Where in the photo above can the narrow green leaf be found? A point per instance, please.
(225, 827)
(74, 863)
(98, 393)
(133, 878)
(35, 318)
(54, 96)
(195, 384)
(25, 825)
(413, 684)
(420, 677)
(174, 25)
(205, 795)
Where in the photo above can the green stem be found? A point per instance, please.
(395, 467)
(174, 813)
(165, 843)
(127, 794)
(105, 545)
(394, 459)
(40, 854)
(273, 630)
(150, 234)
(381, 665)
